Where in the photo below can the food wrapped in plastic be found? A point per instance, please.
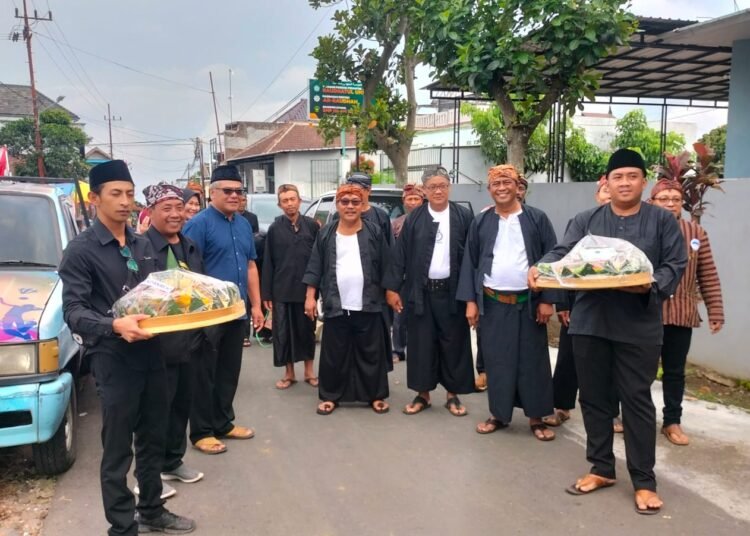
(186, 299)
(598, 262)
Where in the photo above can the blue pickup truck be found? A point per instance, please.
(39, 360)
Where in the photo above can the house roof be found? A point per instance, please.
(15, 101)
(298, 112)
(292, 137)
(97, 153)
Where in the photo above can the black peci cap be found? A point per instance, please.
(622, 158)
(360, 179)
(114, 170)
(227, 172)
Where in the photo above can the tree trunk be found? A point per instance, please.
(518, 141)
(400, 160)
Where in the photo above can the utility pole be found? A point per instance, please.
(216, 114)
(109, 120)
(231, 120)
(34, 106)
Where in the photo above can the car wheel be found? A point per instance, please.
(56, 455)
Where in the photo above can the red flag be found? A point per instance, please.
(4, 162)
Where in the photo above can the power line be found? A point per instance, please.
(123, 66)
(75, 57)
(289, 61)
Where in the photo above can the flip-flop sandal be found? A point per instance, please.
(541, 427)
(285, 383)
(384, 408)
(498, 425)
(206, 445)
(600, 484)
(313, 382)
(649, 511)
(424, 404)
(326, 411)
(456, 403)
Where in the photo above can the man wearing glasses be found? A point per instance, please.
(376, 215)
(503, 242)
(680, 314)
(98, 267)
(226, 241)
(425, 270)
(347, 265)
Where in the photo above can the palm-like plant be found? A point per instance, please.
(696, 177)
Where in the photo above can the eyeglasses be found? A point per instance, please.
(230, 191)
(505, 184)
(668, 200)
(346, 201)
(131, 263)
(435, 187)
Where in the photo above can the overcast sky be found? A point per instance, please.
(265, 43)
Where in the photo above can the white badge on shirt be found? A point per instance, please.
(695, 244)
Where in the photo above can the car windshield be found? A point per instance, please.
(393, 205)
(265, 208)
(28, 225)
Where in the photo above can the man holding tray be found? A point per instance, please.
(180, 350)
(98, 267)
(617, 333)
(226, 241)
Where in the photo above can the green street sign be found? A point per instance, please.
(331, 98)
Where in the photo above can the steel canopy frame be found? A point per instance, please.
(646, 72)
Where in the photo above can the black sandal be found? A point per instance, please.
(418, 400)
(324, 411)
(492, 421)
(456, 403)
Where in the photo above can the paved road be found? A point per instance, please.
(358, 473)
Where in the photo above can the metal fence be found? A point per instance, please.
(324, 176)
(419, 160)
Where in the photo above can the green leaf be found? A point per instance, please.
(573, 45)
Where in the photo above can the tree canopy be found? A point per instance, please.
(489, 126)
(375, 42)
(716, 140)
(61, 145)
(634, 133)
(525, 54)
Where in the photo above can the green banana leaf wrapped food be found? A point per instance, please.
(598, 262)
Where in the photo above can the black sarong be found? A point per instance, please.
(353, 358)
(293, 334)
(516, 360)
(439, 346)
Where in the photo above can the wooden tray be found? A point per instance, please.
(595, 282)
(202, 319)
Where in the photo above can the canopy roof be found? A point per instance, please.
(666, 61)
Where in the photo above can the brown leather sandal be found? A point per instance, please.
(210, 446)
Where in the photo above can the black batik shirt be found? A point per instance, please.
(94, 275)
(614, 314)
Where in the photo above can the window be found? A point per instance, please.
(323, 210)
(28, 225)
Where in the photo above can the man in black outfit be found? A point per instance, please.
(617, 334)
(288, 247)
(174, 251)
(98, 267)
(425, 270)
